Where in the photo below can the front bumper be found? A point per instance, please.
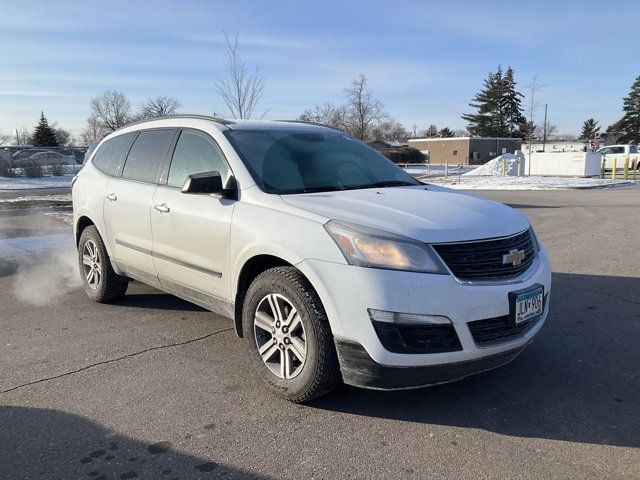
(347, 292)
(359, 369)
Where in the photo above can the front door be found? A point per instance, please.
(191, 231)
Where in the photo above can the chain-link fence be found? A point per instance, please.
(35, 162)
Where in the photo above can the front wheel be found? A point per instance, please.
(101, 283)
(289, 337)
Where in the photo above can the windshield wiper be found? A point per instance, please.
(394, 183)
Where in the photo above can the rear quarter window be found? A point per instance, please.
(112, 153)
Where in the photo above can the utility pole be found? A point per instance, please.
(17, 138)
(544, 130)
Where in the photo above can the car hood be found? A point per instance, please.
(427, 213)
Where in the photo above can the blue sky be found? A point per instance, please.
(425, 60)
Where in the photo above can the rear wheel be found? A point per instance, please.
(101, 283)
(289, 337)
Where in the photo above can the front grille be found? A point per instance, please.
(428, 338)
(482, 260)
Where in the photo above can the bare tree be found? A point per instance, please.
(5, 138)
(23, 136)
(111, 109)
(93, 132)
(240, 90)
(362, 110)
(63, 137)
(388, 130)
(460, 132)
(533, 87)
(550, 131)
(327, 114)
(159, 107)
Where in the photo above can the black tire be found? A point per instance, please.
(320, 372)
(110, 285)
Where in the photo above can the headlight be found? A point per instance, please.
(367, 247)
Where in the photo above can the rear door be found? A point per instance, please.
(191, 231)
(128, 203)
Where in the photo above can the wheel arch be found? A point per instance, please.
(251, 268)
(83, 222)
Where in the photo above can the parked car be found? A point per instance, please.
(45, 158)
(333, 263)
(617, 154)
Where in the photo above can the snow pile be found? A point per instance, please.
(494, 167)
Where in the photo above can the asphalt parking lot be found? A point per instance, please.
(155, 387)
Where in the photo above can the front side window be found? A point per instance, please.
(195, 152)
(283, 162)
(147, 154)
(112, 153)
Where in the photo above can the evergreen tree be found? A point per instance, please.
(487, 104)
(613, 132)
(498, 107)
(590, 129)
(630, 122)
(446, 133)
(431, 132)
(515, 122)
(44, 135)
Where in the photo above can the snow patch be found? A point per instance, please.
(468, 182)
(23, 183)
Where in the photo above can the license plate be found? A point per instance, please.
(527, 304)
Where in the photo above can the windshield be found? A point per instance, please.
(285, 162)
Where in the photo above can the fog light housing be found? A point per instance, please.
(407, 318)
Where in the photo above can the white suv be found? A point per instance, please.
(333, 263)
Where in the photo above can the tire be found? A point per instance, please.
(105, 285)
(298, 381)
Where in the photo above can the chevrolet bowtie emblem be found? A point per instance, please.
(514, 257)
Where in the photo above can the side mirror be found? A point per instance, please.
(208, 183)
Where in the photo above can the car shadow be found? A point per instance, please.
(577, 382)
(43, 443)
(157, 301)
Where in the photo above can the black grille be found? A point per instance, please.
(482, 260)
(498, 329)
(398, 338)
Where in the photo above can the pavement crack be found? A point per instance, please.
(113, 360)
(598, 292)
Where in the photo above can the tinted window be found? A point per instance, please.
(633, 149)
(302, 161)
(111, 153)
(147, 154)
(617, 149)
(195, 153)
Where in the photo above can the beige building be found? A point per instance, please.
(465, 150)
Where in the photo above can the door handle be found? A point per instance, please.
(162, 208)
(112, 197)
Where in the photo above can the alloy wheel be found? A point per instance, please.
(91, 264)
(280, 336)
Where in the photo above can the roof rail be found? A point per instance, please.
(318, 124)
(221, 121)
